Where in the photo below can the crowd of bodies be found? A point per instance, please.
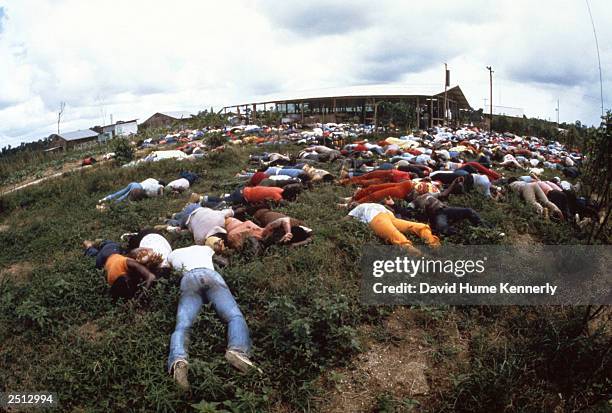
(422, 170)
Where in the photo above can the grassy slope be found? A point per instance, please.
(60, 331)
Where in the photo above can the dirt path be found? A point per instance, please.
(48, 174)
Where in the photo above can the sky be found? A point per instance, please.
(132, 59)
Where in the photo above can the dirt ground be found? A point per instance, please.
(19, 273)
(402, 367)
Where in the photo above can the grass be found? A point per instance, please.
(60, 331)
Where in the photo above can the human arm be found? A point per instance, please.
(135, 268)
(444, 194)
(285, 223)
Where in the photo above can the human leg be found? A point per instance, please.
(118, 194)
(423, 231)
(541, 197)
(383, 227)
(224, 303)
(130, 187)
(189, 306)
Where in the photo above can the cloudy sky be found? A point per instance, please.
(133, 58)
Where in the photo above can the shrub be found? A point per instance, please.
(124, 151)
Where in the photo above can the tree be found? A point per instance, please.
(124, 152)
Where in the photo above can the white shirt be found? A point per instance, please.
(159, 244)
(482, 184)
(151, 187)
(180, 184)
(204, 222)
(190, 258)
(279, 177)
(366, 212)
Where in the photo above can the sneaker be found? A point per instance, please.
(239, 360)
(180, 374)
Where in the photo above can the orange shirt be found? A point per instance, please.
(116, 266)
(262, 193)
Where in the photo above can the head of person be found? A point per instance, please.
(194, 198)
(137, 194)
(146, 257)
(388, 201)
(513, 179)
(217, 243)
(124, 287)
(327, 178)
(291, 191)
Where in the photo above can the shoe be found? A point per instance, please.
(181, 376)
(240, 361)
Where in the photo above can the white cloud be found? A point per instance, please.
(131, 59)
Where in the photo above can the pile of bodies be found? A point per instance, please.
(422, 169)
(219, 226)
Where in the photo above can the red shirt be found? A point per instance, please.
(399, 176)
(262, 193)
(257, 178)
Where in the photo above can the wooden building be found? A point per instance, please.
(75, 140)
(361, 104)
(161, 119)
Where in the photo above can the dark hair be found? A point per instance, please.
(291, 191)
(124, 287)
(327, 178)
(137, 194)
(513, 179)
(162, 183)
(252, 247)
(134, 240)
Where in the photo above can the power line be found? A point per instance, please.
(598, 58)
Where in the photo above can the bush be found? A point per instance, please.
(124, 151)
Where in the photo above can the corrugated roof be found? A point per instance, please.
(78, 134)
(179, 114)
(352, 91)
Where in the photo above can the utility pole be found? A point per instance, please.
(557, 110)
(59, 115)
(446, 84)
(490, 96)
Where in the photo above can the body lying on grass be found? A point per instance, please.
(200, 284)
(123, 274)
(391, 229)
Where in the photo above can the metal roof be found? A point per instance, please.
(78, 134)
(179, 114)
(357, 91)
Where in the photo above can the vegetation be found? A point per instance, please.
(60, 330)
(123, 149)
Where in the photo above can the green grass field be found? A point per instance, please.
(60, 331)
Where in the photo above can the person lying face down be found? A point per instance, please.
(317, 175)
(391, 229)
(151, 249)
(201, 283)
(136, 191)
(300, 234)
(255, 194)
(441, 216)
(276, 228)
(123, 274)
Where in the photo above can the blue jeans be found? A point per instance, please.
(107, 248)
(180, 218)
(123, 193)
(203, 285)
(234, 198)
